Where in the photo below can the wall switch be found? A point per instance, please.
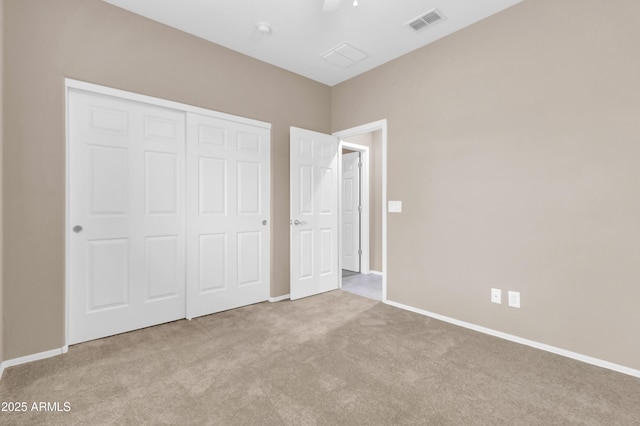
(496, 295)
(395, 206)
(514, 299)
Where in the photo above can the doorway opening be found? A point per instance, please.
(362, 213)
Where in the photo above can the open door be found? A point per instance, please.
(314, 213)
(351, 209)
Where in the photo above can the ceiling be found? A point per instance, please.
(302, 33)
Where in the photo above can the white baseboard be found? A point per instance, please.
(33, 357)
(279, 298)
(542, 346)
(371, 271)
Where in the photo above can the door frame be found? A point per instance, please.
(358, 130)
(364, 202)
(72, 84)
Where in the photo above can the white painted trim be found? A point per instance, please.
(279, 298)
(33, 357)
(368, 128)
(371, 271)
(510, 337)
(67, 216)
(109, 91)
(364, 199)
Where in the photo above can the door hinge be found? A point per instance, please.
(359, 252)
(360, 164)
(359, 208)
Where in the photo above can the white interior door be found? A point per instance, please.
(228, 219)
(314, 213)
(351, 207)
(126, 210)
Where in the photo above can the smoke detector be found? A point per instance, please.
(263, 28)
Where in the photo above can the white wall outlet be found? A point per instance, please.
(496, 295)
(514, 299)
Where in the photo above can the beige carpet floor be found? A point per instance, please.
(332, 359)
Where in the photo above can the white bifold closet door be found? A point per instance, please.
(168, 215)
(228, 214)
(127, 213)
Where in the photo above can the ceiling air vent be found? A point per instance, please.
(426, 20)
(344, 55)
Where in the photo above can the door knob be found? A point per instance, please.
(77, 229)
(299, 222)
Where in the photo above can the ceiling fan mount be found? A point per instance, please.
(332, 5)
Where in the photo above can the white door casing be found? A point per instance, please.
(314, 212)
(228, 214)
(351, 208)
(127, 195)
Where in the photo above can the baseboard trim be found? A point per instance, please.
(33, 357)
(371, 271)
(537, 345)
(279, 298)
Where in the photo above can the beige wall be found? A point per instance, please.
(373, 140)
(514, 146)
(92, 41)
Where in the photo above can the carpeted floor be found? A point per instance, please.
(332, 359)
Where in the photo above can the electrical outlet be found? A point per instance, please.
(496, 295)
(514, 299)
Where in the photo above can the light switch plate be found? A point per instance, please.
(395, 206)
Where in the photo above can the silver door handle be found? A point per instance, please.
(299, 222)
(77, 229)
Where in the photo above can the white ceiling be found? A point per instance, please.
(302, 32)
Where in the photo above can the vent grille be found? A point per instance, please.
(344, 55)
(426, 20)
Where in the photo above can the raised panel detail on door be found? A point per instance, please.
(327, 251)
(108, 274)
(248, 186)
(248, 142)
(327, 191)
(305, 254)
(306, 189)
(108, 171)
(314, 216)
(248, 258)
(228, 210)
(212, 259)
(211, 135)
(161, 181)
(108, 120)
(162, 262)
(212, 186)
(158, 128)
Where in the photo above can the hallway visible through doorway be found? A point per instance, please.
(367, 285)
